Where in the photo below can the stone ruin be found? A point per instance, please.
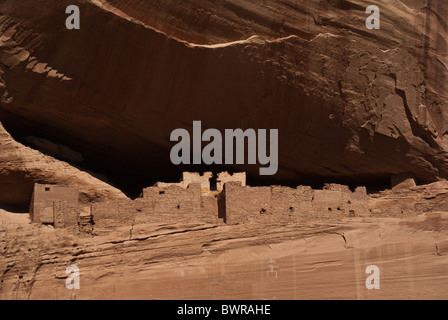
(192, 201)
(225, 177)
(189, 178)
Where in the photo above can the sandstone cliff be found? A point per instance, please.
(21, 167)
(351, 104)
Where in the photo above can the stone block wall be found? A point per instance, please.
(66, 215)
(174, 202)
(112, 214)
(289, 203)
(268, 204)
(245, 204)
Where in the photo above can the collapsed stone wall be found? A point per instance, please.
(189, 178)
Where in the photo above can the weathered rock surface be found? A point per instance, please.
(404, 202)
(21, 167)
(54, 149)
(324, 259)
(351, 104)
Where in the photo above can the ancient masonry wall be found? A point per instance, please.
(158, 205)
(193, 202)
(66, 215)
(282, 204)
(42, 204)
(339, 199)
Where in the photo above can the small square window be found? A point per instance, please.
(47, 188)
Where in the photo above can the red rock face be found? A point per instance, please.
(351, 104)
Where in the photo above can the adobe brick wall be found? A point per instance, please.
(41, 207)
